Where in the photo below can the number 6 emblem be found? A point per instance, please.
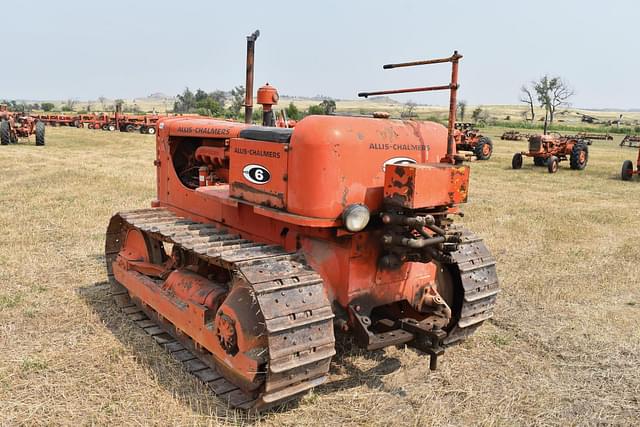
(256, 174)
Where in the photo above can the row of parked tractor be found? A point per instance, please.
(143, 123)
(15, 125)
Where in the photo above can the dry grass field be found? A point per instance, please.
(562, 349)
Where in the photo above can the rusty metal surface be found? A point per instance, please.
(248, 95)
(417, 186)
(290, 295)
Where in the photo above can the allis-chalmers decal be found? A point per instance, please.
(256, 174)
(398, 161)
(205, 131)
(407, 147)
(254, 152)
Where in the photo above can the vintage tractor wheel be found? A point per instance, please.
(111, 127)
(39, 133)
(151, 130)
(130, 128)
(483, 149)
(539, 161)
(516, 162)
(552, 164)
(579, 156)
(627, 170)
(5, 133)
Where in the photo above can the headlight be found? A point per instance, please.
(355, 217)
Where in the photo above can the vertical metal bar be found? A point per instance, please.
(248, 95)
(452, 104)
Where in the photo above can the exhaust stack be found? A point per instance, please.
(248, 94)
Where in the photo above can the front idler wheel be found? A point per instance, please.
(552, 164)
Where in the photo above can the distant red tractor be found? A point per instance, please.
(15, 125)
(627, 169)
(550, 150)
(468, 138)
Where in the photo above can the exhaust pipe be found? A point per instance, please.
(248, 94)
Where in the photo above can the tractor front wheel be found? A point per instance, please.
(152, 131)
(516, 162)
(483, 149)
(5, 133)
(627, 170)
(552, 164)
(579, 156)
(39, 133)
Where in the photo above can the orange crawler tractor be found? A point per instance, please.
(550, 150)
(262, 240)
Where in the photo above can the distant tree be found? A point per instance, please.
(66, 108)
(102, 100)
(185, 102)
(219, 96)
(408, 110)
(462, 109)
(200, 102)
(479, 115)
(526, 96)
(200, 95)
(315, 110)
(329, 106)
(120, 104)
(293, 112)
(237, 100)
(552, 92)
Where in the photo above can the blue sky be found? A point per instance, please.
(82, 50)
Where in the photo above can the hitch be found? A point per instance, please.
(425, 336)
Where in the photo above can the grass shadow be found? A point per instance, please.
(347, 349)
(98, 298)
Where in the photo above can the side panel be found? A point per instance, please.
(258, 172)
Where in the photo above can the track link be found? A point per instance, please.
(296, 312)
(479, 280)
